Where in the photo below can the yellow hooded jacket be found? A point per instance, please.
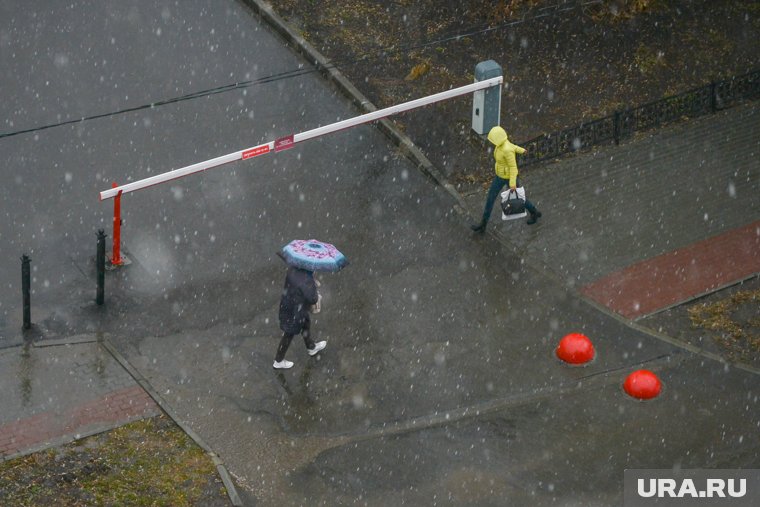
(504, 154)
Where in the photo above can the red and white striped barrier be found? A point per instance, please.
(286, 142)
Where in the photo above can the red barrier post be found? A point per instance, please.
(116, 259)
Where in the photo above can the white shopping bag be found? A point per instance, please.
(317, 307)
(521, 195)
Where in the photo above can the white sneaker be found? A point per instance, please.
(317, 347)
(282, 365)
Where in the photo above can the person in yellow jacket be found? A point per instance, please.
(506, 174)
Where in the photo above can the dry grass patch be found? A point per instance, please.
(734, 324)
(150, 462)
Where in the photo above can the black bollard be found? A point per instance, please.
(100, 262)
(25, 287)
(713, 97)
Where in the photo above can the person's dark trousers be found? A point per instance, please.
(493, 193)
(287, 338)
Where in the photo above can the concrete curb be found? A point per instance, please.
(229, 485)
(401, 140)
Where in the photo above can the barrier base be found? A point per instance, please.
(110, 266)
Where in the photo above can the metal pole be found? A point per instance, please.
(100, 262)
(25, 289)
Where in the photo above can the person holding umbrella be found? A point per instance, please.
(300, 292)
(506, 174)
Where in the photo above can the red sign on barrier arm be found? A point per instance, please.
(283, 143)
(253, 152)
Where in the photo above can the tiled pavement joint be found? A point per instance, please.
(144, 384)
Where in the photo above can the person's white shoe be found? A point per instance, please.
(317, 347)
(282, 365)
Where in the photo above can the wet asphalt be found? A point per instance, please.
(439, 385)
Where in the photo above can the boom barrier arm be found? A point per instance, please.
(297, 138)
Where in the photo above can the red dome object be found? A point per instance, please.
(575, 348)
(642, 384)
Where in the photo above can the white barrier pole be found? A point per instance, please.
(297, 138)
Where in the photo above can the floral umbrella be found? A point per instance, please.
(313, 255)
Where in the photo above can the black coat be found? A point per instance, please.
(299, 293)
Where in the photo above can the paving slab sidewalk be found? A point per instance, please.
(57, 391)
(664, 218)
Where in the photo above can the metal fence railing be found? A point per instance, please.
(624, 123)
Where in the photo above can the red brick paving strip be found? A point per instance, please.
(115, 407)
(674, 277)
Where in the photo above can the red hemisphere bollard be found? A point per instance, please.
(575, 348)
(642, 384)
